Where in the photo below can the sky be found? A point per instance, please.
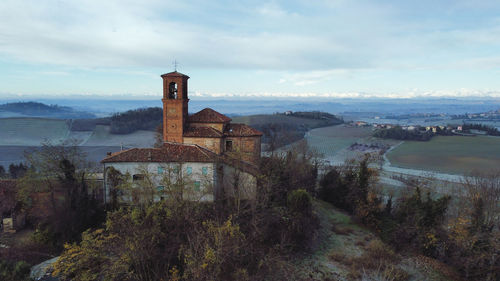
(292, 48)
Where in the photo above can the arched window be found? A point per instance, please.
(172, 90)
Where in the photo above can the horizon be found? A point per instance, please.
(326, 49)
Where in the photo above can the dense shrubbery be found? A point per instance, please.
(469, 241)
(14, 271)
(88, 124)
(399, 134)
(332, 119)
(58, 172)
(175, 239)
(138, 119)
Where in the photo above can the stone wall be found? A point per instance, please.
(212, 144)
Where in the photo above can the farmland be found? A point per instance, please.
(448, 154)
(32, 131)
(334, 142)
(18, 135)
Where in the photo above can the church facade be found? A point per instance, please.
(204, 150)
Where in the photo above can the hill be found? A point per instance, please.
(346, 250)
(36, 109)
(283, 129)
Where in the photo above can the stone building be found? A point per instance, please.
(204, 150)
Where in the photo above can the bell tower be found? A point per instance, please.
(175, 106)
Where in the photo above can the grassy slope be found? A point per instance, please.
(449, 154)
(101, 136)
(32, 131)
(340, 240)
(330, 140)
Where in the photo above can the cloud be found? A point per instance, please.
(317, 36)
(303, 44)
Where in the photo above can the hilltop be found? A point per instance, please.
(37, 109)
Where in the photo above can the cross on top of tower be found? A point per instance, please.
(175, 63)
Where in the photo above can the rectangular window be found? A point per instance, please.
(175, 169)
(197, 185)
(138, 177)
(229, 145)
(189, 170)
(204, 171)
(160, 170)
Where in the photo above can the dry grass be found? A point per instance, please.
(342, 231)
(378, 262)
(360, 243)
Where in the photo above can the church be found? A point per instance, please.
(204, 150)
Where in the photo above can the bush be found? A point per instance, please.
(300, 202)
(14, 271)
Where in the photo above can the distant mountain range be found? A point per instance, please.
(369, 107)
(37, 109)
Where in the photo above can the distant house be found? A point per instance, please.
(431, 128)
(459, 128)
(288, 112)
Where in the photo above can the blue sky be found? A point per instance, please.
(337, 48)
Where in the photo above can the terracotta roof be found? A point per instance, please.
(174, 74)
(170, 152)
(203, 132)
(208, 115)
(241, 130)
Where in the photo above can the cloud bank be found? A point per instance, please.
(303, 43)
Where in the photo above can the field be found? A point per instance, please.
(333, 142)
(448, 154)
(101, 136)
(18, 135)
(32, 131)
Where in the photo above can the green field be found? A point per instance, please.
(330, 140)
(32, 131)
(448, 154)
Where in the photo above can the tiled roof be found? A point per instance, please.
(174, 74)
(203, 132)
(208, 115)
(170, 152)
(241, 130)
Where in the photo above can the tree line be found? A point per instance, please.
(399, 133)
(492, 131)
(124, 122)
(14, 171)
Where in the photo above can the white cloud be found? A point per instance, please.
(347, 34)
(312, 41)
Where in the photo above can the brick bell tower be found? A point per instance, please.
(175, 106)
